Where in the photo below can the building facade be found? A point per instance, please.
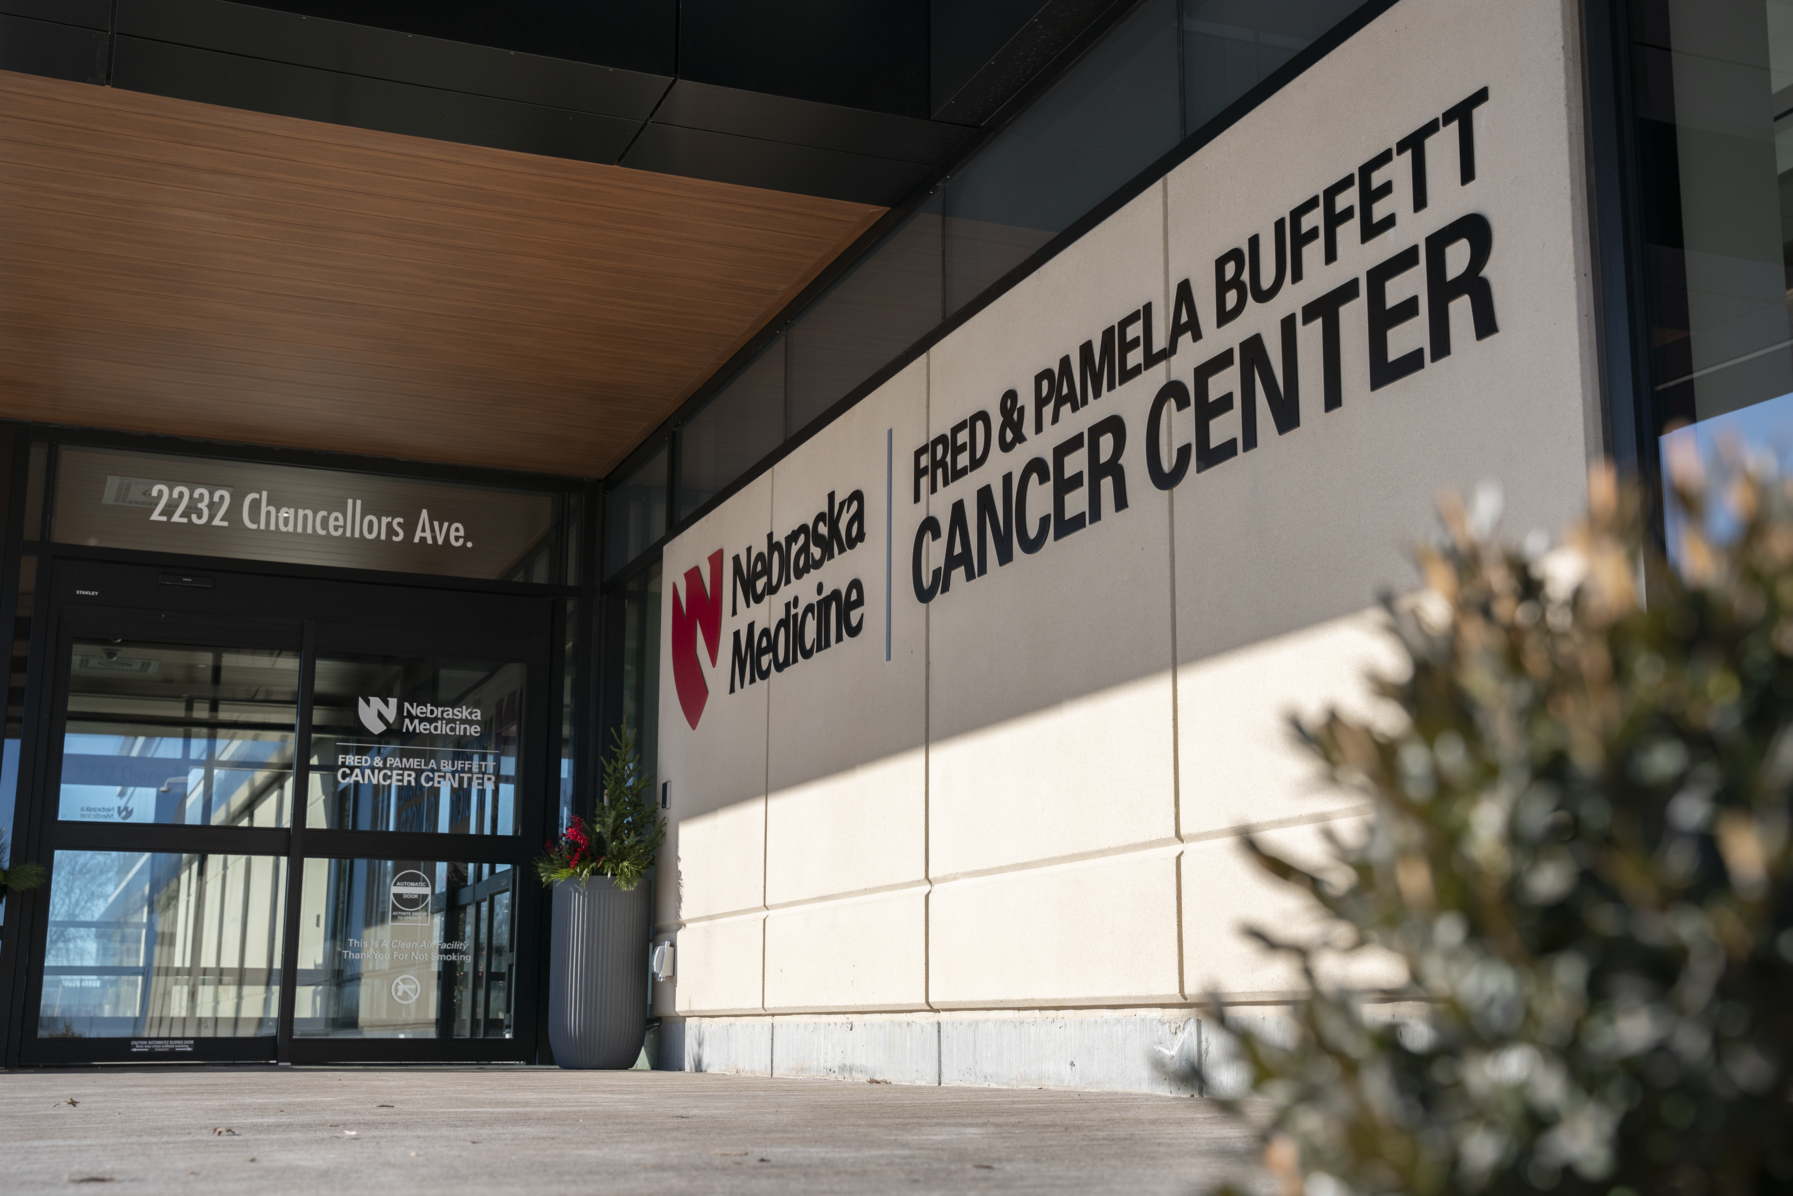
(1090, 372)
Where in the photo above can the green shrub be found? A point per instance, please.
(19, 877)
(1579, 850)
(625, 831)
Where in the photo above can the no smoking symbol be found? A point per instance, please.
(405, 989)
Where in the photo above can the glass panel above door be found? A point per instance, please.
(164, 946)
(415, 743)
(114, 498)
(199, 736)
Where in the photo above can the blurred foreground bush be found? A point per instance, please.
(1580, 851)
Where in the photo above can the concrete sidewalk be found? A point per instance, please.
(437, 1130)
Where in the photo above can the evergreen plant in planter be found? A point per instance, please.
(597, 975)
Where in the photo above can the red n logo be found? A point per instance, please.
(701, 607)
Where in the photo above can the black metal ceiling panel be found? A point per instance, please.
(89, 14)
(866, 54)
(694, 105)
(636, 35)
(972, 99)
(777, 166)
(56, 51)
(258, 85)
(400, 57)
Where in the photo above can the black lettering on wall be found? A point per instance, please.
(1384, 319)
(921, 471)
(1284, 400)
(796, 551)
(829, 629)
(1172, 392)
(958, 436)
(939, 469)
(958, 548)
(980, 423)
(762, 654)
(1463, 116)
(1229, 287)
(1335, 217)
(1014, 421)
(854, 528)
(1096, 373)
(1031, 542)
(780, 569)
(1369, 194)
(1063, 486)
(1114, 428)
(1045, 383)
(821, 548)
(741, 582)
(1064, 394)
(992, 528)
(855, 601)
(1259, 292)
(1326, 310)
(925, 590)
(1128, 344)
(800, 636)
(1414, 144)
(838, 544)
(1183, 318)
(761, 576)
(1207, 410)
(740, 660)
(1300, 238)
(1153, 356)
(781, 640)
(1442, 288)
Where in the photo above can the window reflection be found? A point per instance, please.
(635, 512)
(415, 743)
(405, 949)
(1715, 100)
(162, 946)
(173, 734)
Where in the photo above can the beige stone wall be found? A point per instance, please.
(1035, 803)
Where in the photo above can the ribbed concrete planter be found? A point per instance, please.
(597, 977)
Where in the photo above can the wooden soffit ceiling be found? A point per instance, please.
(173, 267)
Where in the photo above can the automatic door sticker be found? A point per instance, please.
(411, 894)
(406, 990)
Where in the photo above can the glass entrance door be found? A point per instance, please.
(413, 810)
(286, 837)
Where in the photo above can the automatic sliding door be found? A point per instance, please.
(163, 948)
(164, 925)
(414, 809)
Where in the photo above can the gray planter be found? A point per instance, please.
(597, 975)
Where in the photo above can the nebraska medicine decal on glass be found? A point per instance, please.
(806, 623)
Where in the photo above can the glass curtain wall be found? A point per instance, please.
(1714, 95)
(632, 667)
(1157, 76)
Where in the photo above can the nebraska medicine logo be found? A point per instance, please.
(379, 715)
(804, 626)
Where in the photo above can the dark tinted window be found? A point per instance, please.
(1107, 120)
(1229, 45)
(635, 512)
(738, 427)
(888, 302)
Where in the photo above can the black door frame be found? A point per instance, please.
(80, 591)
